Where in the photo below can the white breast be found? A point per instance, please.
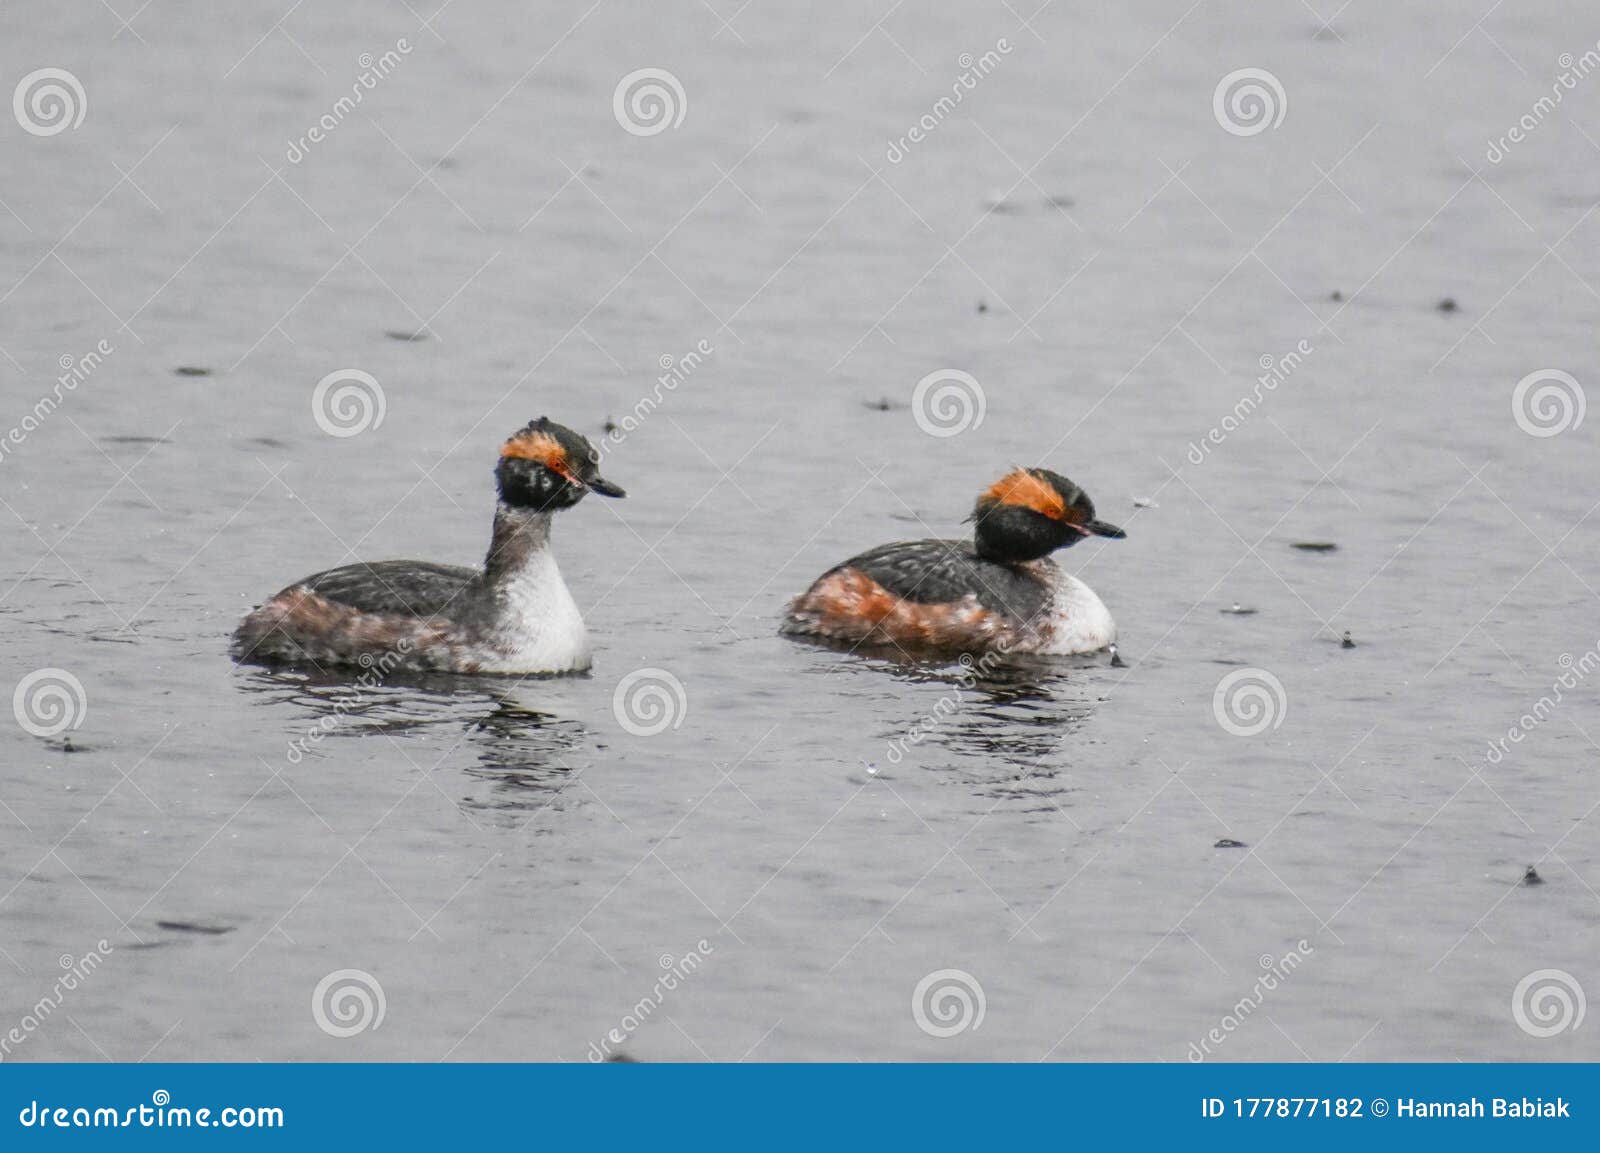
(540, 629)
(1076, 621)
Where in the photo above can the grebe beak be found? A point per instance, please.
(1101, 528)
(604, 487)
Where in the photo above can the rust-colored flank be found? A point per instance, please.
(848, 605)
(324, 630)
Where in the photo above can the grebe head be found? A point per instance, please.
(546, 467)
(1031, 512)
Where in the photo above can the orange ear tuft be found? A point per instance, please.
(540, 447)
(1027, 491)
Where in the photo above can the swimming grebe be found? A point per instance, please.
(1001, 592)
(513, 616)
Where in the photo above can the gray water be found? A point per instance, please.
(1080, 235)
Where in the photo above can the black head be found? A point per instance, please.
(1032, 512)
(547, 467)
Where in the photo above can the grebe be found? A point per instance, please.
(1002, 592)
(514, 615)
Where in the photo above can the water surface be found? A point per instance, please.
(1084, 239)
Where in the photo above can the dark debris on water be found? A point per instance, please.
(194, 927)
(1230, 843)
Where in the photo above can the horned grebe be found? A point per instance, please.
(513, 616)
(1001, 592)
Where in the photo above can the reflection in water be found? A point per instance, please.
(526, 756)
(997, 725)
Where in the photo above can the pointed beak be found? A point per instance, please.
(1101, 528)
(604, 487)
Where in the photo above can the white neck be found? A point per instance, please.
(536, 625)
